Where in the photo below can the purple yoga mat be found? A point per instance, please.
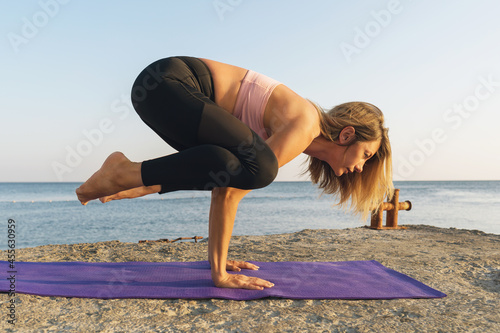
(191, 280)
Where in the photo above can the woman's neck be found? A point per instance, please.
(321, 148)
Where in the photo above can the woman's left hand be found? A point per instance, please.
(236, 266)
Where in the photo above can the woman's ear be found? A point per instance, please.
(347, 135)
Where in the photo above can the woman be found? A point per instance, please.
(233, 128)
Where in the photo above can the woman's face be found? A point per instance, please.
(353, 157)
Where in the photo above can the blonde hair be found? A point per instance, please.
(367, 189)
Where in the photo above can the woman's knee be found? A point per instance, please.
(261, 166)
(259, 160)
(267, 170)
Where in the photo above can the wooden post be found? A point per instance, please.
(377, 219)
(392, 214)
(393, 207)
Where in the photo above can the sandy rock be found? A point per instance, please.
(464, 264)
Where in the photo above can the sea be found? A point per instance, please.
(49, 213)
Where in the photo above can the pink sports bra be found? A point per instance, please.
(251, 101)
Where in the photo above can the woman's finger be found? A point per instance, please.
(242, 264)
(244, 282)
(259, 283)
(233, 268)
(248, 282)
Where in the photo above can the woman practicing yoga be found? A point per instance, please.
(233, 128)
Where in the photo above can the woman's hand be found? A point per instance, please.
(238, 281)
(222, 213)
(236, 266)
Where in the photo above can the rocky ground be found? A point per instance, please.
(463, 264)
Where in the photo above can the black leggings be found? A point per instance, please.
(175, 97)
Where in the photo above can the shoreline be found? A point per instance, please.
(464, 264)
(205, 238)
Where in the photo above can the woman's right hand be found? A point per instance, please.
(239, 281)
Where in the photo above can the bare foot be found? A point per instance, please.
(116, 174)
(132, 193)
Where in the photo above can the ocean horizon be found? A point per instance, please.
(49, 213)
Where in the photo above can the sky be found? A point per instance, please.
(431, 66)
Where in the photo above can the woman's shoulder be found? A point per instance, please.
(290, 104)
(286, 107)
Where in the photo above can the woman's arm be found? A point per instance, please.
(298, 125)
(294, 123)
(288, 143)
(221, 220)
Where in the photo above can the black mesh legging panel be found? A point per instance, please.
(215, 149)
